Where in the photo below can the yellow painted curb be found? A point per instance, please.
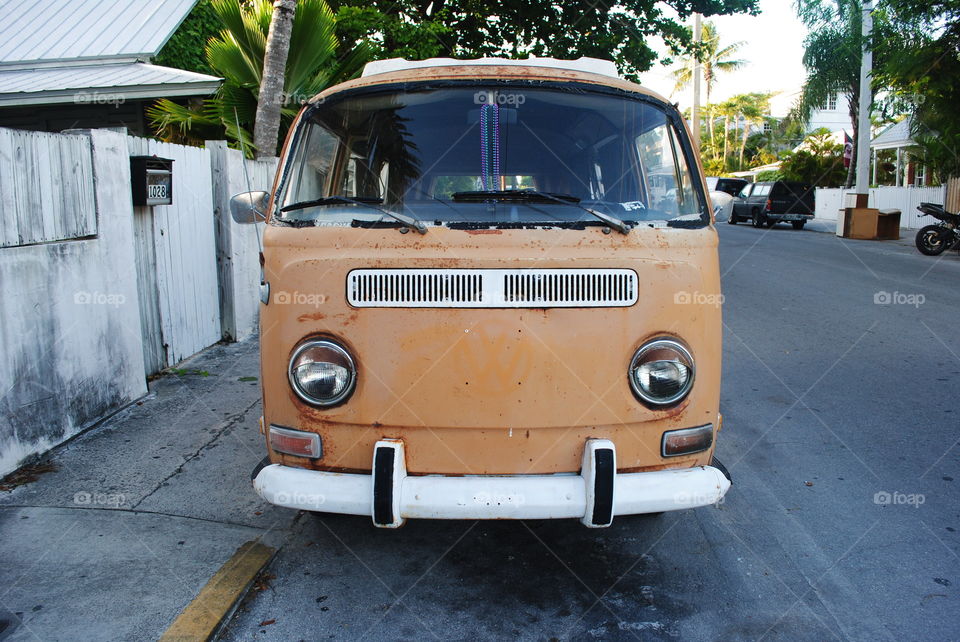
(204, 616)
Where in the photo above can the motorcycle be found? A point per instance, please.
(940, 237)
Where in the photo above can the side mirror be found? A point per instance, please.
(249, 207)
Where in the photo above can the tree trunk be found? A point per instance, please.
(271, 97)
(710, 122)
(854, 102)
(726, 139)
(743, 143)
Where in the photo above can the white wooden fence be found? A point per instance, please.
(46, 188)
(180, 270)
(238, 245)
(96, 293)
(906, 199)
(70, 332)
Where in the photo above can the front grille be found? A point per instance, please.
(412, 287)
(533, 288)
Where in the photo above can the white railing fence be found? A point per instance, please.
(906, 199)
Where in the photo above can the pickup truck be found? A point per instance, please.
(769, 203)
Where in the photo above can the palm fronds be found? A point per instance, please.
(237, 53)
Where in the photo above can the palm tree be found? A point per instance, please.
(727, 109)
(832, 52)
(269, 100)
(237, 54)
(714, 60)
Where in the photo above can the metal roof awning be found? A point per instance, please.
(895, 136)
(99, 84)
(52, 31)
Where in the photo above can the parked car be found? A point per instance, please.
(731, 186)
(722, 192)
(722, 205)
(769, 203)
(459, 259)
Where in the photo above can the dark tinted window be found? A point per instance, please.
(731, 186)
(413, 150)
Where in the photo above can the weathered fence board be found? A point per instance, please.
(46, 188)
(184, 257)
(154, 354)
(952, 198)
(237, 244)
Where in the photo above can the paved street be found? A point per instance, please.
(828, 398)
(841, 429)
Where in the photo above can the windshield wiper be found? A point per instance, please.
(372, 203)
(532, 195)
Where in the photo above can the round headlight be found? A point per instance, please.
(322, 373)
(661, 372)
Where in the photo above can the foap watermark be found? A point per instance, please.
(82, 297)
(694, 499)
(913, 100)
(87, 498)
(299, 298)
(899, 298)
(293, 98)
(697, 298)
(300, 500)
(504, 99)
(883, 498)
(97, 98)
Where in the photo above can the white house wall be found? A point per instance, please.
(832, 119)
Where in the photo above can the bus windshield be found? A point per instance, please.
(418, 152)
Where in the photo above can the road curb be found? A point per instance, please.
(204, 617)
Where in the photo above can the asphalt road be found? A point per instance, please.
(842, 370)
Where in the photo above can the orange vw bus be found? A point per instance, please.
(490, 291)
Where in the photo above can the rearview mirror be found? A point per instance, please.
(249, 207)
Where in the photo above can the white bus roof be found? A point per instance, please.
(589, 65)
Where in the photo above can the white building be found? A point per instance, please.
(834, 115)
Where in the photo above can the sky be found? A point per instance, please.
(772, 49)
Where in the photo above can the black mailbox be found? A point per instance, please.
(152, 179)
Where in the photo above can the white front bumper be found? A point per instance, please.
(488, 496)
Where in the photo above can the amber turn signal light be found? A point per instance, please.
(686, 441)
(295, 442)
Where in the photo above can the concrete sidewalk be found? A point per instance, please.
(140, 511)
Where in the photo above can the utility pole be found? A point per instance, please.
(695, 112)
(864, 133)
